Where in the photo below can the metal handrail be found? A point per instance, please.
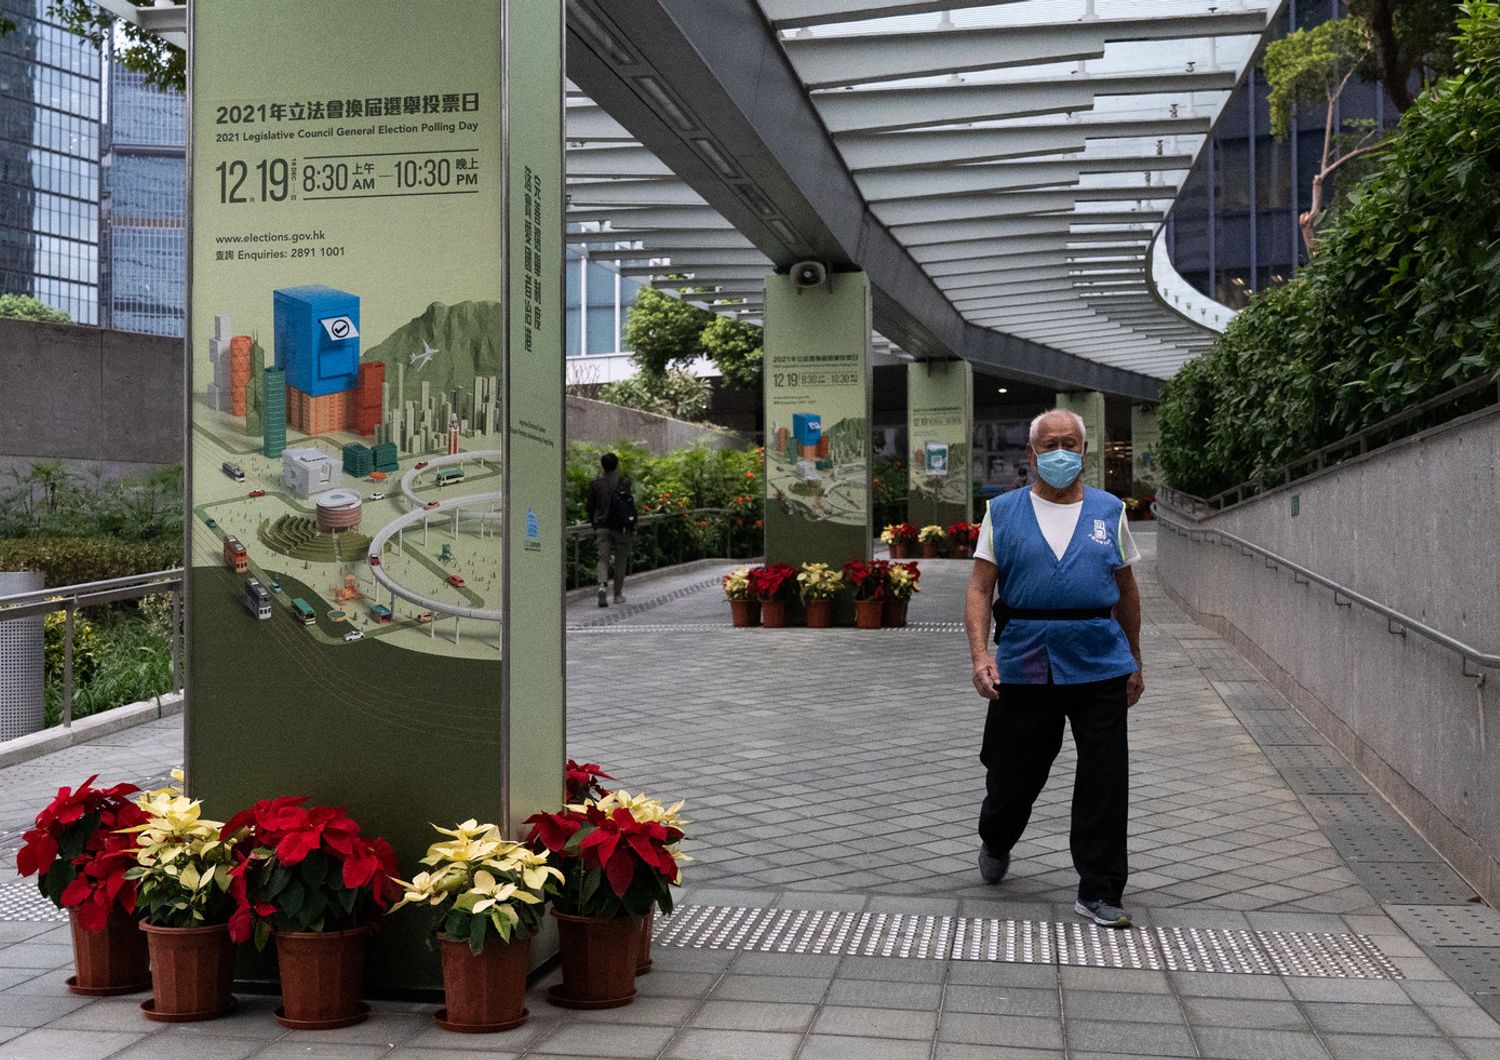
(69, 598)
(585, 528)
(1344, 596)
(1360, 440)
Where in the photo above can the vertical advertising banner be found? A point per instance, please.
(817, 379)
(364, 251)
(939, 427)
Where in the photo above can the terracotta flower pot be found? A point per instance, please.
(931, 549)
(893, 613)
(898, 550)
(111, 961)
(643, 954)
(484, 992)
(598, 961)
(192, 973)
(744, 613)
(962, 551)
(773, 614)
(819, 614)
(322, 973)
(867, 613)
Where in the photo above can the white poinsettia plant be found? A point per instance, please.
(182, 864)
(481, 886)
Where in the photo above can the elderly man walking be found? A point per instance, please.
(1067, 625)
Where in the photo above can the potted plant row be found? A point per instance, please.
(818, 584)
(932, 538)
(901, 538)
(962, 537)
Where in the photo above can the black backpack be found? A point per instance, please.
(620, 515)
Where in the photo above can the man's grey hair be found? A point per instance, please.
(1083, 431)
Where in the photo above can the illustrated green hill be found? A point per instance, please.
(466, 335)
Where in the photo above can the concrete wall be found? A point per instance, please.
(598, 421)
(1414, 527)
(112, 398)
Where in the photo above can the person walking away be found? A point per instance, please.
(611, 512)
(1067, 632)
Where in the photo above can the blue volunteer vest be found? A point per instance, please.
(1070, 651)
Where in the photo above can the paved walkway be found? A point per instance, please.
(833, 910)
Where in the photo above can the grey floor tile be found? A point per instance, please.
(1212, 984)
(586, 1039)
(1472, 1022)
(1128, 980)
(876, 1023)
(18, 1010)
(1352, 1018)
(753, 1016)
(1023, 1031)
(1144, 1039)
(1004, 1001)
(1235, 1043)
(1121, 1006)
(779, 988)
(663, 983)
(72, 1045)
(696, 1044)
(1479, 1048)
(1388, 1047)
(290, 1049)
(169, 1047)
(1244, 1013)
(964, 1051)
(836, 1047)
(880, 993)
(1366, 991)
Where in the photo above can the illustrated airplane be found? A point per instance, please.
(420, 360)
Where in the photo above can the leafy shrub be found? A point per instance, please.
(71, 560)
(1400, 302)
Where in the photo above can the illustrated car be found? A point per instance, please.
(275, 585)
(211, 524)
(354, 634)
(420, 464)
(425, 616)
(257, 493)
(431, 505)
(374, 561)
(377, 496)
(456, 580)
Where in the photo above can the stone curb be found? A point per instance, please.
(25, 748)
(574, 596)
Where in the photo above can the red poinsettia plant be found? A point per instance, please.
(772, 582)
(963, 533)
(583, 781)
(618, 855)
(868, 580)
(305, 868)
(81, 855)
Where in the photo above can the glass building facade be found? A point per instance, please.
(144, 277)
(1234, 230)
(49, 162)
(597, 298)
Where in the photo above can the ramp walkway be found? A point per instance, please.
(833, 909)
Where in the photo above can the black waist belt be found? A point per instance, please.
(1004, 614)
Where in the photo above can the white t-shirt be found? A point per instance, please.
(1058, 521)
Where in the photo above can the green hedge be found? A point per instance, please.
(1400, 302)
(71, 560)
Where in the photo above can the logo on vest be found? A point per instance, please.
(1101, 532)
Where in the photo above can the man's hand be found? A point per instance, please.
(987, 678)
(1135, 685)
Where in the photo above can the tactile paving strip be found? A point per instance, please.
(1412, 883)
(1449, 925)
(807, 932)
(1379, 842)
(22, 901)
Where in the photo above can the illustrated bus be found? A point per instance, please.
(257, 600)
(234, 471)
(448, 475)
(235, 558)
(302, 611)
(380, 613)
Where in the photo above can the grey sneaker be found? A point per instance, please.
(603, 598)
(992, 869)
(1103, 913)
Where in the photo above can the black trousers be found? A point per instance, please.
(1022, 736)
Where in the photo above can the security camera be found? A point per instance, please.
(809, 274)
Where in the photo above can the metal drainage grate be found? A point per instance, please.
(22, 901)
(809, 932)
(1449, 925)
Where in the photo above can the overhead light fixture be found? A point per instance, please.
(665, 104)
(582, 18)
(1003, 390)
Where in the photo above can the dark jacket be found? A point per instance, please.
(600, 492)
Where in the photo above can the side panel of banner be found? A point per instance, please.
(940, 426)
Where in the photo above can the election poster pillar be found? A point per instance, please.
(374, 560)
(939, 428)
(817, 393)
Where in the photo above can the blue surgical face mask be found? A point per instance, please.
(1059, 467)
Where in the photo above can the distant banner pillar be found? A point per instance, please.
(939, 429)
(817, 380)
(1090, 405)
(375, 318)
(1145, 434)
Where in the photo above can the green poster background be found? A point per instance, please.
(939, 429)
(357, 145)
(1090, 405)
(817, 369)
